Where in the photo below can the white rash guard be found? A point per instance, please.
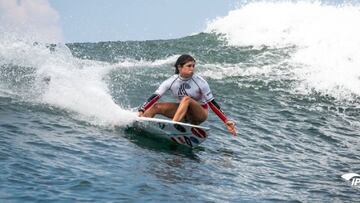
(195, 87)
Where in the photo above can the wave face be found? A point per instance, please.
(286, 72)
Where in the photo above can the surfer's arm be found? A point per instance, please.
(164, 86)
(216, 109)
(149, 102)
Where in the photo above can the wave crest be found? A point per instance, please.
(327, 53)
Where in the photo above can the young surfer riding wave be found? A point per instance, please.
(193, 93)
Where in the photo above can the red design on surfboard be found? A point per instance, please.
(198, 132)
(174, 140)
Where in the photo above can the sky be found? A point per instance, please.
(111, 20)
(123, 20)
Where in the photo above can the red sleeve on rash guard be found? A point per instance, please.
(149, 102)
(216, 109)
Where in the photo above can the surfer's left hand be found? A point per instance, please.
(231, 127)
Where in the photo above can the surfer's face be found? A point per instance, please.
(187, 70)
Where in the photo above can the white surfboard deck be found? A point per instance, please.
(178, 132)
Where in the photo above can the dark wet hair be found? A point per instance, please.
(182, 60)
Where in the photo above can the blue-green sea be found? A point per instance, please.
(66, 111)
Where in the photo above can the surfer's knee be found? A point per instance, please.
(156, 107)
(186, 99)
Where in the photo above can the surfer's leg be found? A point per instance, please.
(192, 110)
(167, 109)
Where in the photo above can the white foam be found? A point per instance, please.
(81, 88)
(128, 63)
(66, 82)
(327, 59)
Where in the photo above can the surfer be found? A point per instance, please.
(193, 93)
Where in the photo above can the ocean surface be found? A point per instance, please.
(287, 73)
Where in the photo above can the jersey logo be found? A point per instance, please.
(182, 89)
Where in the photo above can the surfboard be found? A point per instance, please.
(181, 133)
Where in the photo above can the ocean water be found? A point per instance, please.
(287, 73)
